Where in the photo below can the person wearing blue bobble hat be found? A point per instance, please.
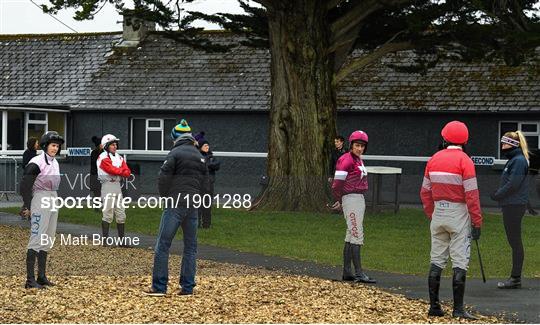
(182, 176)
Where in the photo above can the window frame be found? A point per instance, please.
(4, 111)
(4, 135)
(28, 121)
(154, 129)
(148, 128)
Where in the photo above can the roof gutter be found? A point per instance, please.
(34, 108)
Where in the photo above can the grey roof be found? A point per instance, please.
(448, 86)
(51, 70)
(164, 74)
(86, 72)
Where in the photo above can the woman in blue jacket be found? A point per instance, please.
(513, 195)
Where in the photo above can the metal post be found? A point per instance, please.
(374, 193)
(396, 202)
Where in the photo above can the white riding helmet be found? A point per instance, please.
(107, 140)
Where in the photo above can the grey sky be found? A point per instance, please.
(23, 17)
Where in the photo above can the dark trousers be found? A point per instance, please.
(512, 217)
(95, 186)
(205, 213)
(205, 217)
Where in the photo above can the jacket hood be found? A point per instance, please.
(184, 139)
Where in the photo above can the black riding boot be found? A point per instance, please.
(120, 227)
(434, 283)
(30, 275)
(347, 259)
(42, 266)
(458, 284)
(105, 231)
(359, 275)
(511, 283)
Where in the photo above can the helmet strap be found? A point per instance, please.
(46, 154)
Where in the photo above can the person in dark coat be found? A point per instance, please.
(205, 212)
(182, 176)
(32, 146)
(513, 195)
(338, 151)
(95, 185)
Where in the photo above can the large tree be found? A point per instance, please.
(311, 42)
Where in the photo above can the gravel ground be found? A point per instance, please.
(103, 285)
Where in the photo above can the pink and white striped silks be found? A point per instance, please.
(350, 177)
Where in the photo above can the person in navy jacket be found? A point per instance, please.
(513, 196)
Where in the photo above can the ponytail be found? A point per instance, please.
(523, 144)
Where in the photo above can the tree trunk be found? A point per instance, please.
(303, 109)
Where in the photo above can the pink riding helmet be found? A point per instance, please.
(359, 136)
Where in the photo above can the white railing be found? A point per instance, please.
(216, 153)
(237, 154)
(9, 180)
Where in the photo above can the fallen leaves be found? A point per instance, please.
(104, 285)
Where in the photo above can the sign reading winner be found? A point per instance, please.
(483, 161)
(79, 152)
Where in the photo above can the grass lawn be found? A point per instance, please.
(396, 243)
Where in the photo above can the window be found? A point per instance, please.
(36, 125)
(57, 122)
(151, 134)
(138, 134)
(15, 131)
(2, 135)
(22, 125)
(531, 131)
(154, 132)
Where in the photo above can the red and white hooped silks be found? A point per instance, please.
(450, 176)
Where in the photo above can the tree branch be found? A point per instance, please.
(266, 3)
(518, 11)
(332, 4)
(343, 47)
(511, 13)
(357, 14)
(179, 22)
(366, 60)
(353, 17)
